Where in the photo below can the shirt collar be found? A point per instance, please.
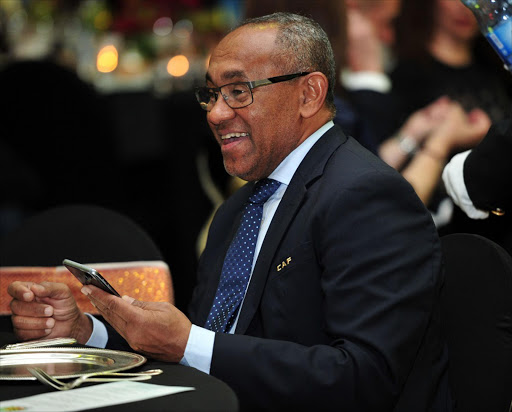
(286, 169)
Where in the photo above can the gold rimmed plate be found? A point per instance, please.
(65, 362)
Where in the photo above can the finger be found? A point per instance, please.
(21, 290)
(116, 311)
(24, 335)
(52, 290)
(153, 306)
(31, 309)
(99, 297)
(130, 300)
(31, 323)
(137, 303)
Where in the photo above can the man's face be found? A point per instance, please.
(256, 138)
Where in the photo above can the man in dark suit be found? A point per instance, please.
(341, 308)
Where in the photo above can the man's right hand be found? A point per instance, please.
(47, 310)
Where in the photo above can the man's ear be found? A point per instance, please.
(313, 94)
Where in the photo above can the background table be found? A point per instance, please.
(210, 394)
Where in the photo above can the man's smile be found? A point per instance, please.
(233, 135)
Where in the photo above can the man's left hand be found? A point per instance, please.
(157, 329)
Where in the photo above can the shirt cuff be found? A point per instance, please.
(199, 350)
(375, 81)
(453, 178)
(99, 335)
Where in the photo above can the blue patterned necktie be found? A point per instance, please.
(238, 261)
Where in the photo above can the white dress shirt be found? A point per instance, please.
(199, 349)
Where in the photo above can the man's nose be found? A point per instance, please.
(220, 111)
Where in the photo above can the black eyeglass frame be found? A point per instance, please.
(251, 85)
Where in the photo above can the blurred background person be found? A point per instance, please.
(478, 180)
(443, 127)
(364, 78)
(439, 51)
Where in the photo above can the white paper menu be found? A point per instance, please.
(96, 396)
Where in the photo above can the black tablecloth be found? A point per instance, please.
(210, 394)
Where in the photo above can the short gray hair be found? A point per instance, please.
(304, 40)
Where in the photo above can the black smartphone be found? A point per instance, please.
(89, 276)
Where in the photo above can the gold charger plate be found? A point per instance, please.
(65, 362)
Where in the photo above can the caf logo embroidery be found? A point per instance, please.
(284, 263)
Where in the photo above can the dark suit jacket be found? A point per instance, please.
(488, 179)
(342, 309)
(488, 169)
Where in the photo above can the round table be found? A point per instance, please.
(210, 394)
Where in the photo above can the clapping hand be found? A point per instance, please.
(46, 310)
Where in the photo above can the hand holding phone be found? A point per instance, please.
(89, 276)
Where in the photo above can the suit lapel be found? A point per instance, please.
(284, 214)
(309, 170)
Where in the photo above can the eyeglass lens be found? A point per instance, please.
(236, 95)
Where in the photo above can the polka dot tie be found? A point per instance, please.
(238, 261)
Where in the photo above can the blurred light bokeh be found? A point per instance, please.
(158, 45)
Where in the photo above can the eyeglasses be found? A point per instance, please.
(239, 94)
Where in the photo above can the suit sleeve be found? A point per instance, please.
(488, 169)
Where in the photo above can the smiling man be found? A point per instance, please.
(318, 287)
(254, 139)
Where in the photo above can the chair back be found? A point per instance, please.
(144, 280)
(477, 322)
(110, 242)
